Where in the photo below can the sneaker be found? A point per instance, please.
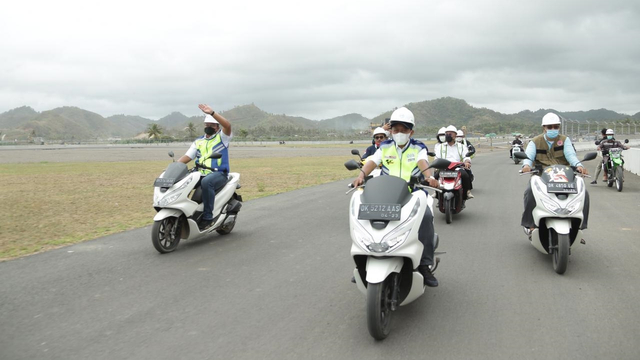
(528, 231)
(205, 224)
(593, 182)
(429, 279)
(353, 279)
(469, 195)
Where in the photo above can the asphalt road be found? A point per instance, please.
(278, 287)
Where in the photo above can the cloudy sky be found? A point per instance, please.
(319, 59)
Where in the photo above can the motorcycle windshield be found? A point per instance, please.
(557, 174)
(176, 171)
(386, 189)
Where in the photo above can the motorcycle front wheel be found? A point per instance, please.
(379, 309)
(448, 216)
(561, 253)
(165, 234)
(619, 178)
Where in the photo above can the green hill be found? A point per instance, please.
(126, 126)
(251, 123)
(17, 117)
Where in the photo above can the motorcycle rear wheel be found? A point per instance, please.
(224, 230)
(619, 178)
(379, 309)
(447, 211)
(561, 253)
(165, 234)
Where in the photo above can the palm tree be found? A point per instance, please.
(154, 131)
(191, 129)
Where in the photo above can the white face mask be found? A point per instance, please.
(401, 138)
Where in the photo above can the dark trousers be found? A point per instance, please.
(210, 184)
(530, 204)
(426, 235)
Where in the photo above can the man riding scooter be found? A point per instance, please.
(404, 157)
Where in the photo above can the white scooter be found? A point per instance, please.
(177, 198)
(516, 149)
(560, 194)
(384, 218)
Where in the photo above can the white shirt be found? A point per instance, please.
(452, 152)
(226, 139)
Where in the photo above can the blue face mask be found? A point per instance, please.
(552, 134)
(609, 137)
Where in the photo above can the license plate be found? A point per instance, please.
(448, 173)
(379, 212)
(562, 188)
(164, 182)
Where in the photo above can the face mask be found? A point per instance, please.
(609, 137)
(441, 138)
(448, 138)
(209, 131)
(401, 138)
(552, 134)
(459, 140)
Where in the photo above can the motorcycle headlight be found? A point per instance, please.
(399, 235)
(175, 193)
(169, 199)
(363, 238)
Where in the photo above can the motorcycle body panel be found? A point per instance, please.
(451, 189)
(381, 248)
(176, 200)
(563, 213)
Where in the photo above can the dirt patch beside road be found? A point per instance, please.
(105, 153)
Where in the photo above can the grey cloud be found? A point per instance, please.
(335, 58)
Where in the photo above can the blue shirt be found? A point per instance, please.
(569, 152)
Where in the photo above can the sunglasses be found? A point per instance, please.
(555, 127)
(378, 137)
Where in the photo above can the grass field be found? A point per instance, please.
(47, 205)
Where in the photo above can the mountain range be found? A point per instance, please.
(71, 123)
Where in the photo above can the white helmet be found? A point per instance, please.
(550, 119)
(380, 130)
(451, 128)
(460, 133)
(610, 132)
(209, 119)
(403, 115)
(442, 130)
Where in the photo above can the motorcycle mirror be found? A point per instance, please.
(431, 153)
(626, 141)
(414, 180)
(440, 164)
(171, 154)
(597, 142)
(352, 165)
(590, 156)
(355, 152)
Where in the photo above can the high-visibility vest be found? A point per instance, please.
(403, 164)
(205, 147)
